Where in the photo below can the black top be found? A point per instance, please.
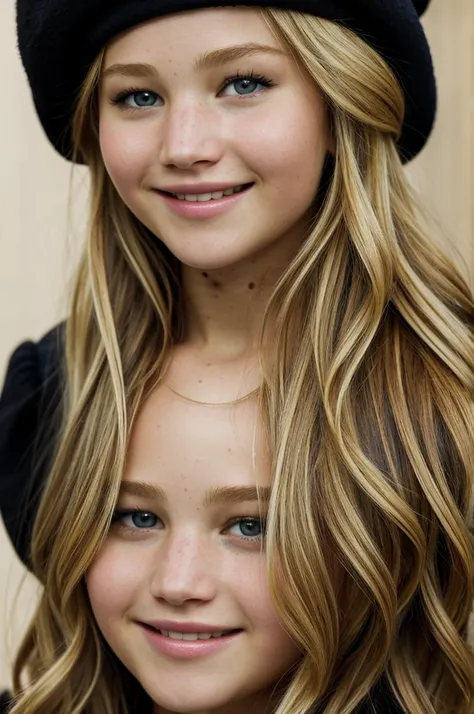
(30, 414)
(30, 410)
(4, 702)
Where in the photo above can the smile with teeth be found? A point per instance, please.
(192, 635)
(208, 196)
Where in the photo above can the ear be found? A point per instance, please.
(421, 6)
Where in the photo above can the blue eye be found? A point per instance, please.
(247, 81)
(250, 528)
(143, 98)
(245, 84)
(135, 519)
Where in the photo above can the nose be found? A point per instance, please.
(192, 133)
(183, 570)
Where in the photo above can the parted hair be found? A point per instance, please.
(367, 398)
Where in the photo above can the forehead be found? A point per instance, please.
(187, 449)
(189, 33)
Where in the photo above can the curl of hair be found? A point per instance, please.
(368, 402)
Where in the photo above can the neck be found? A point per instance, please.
(225, 307)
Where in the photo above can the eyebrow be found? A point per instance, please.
(220, 495)
(208, 60)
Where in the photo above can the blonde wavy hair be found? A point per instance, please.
(368, 402)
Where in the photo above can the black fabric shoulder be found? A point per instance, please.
(5, 702)
(30, 417)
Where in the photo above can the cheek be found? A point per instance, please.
(125, 152)
(112, 583)
(289, 151)
(253, 590)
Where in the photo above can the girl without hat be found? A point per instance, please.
(262, 336)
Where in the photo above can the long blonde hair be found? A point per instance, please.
(368, 402)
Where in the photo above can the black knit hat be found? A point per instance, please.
(59, 39)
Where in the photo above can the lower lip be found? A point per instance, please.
(201, 210)
(187, 649)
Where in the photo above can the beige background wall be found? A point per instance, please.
(38, 248)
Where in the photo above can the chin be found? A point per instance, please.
(191, 703)
(208, 258)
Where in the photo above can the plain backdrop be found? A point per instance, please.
(41, 235)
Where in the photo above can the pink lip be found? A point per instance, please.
(187, 626)
(201, 210)
(199, 187)
(187, 649)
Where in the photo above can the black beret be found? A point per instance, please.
(59, 39)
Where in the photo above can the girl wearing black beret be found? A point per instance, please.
(247, 454)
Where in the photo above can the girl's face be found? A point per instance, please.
(203, 101)
(184, 554)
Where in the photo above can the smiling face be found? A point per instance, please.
(204, 100)
(191, 555)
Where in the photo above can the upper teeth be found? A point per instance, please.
(192, 635)
(207, 196)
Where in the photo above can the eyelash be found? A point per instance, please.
(119, 515)
(264, 81)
